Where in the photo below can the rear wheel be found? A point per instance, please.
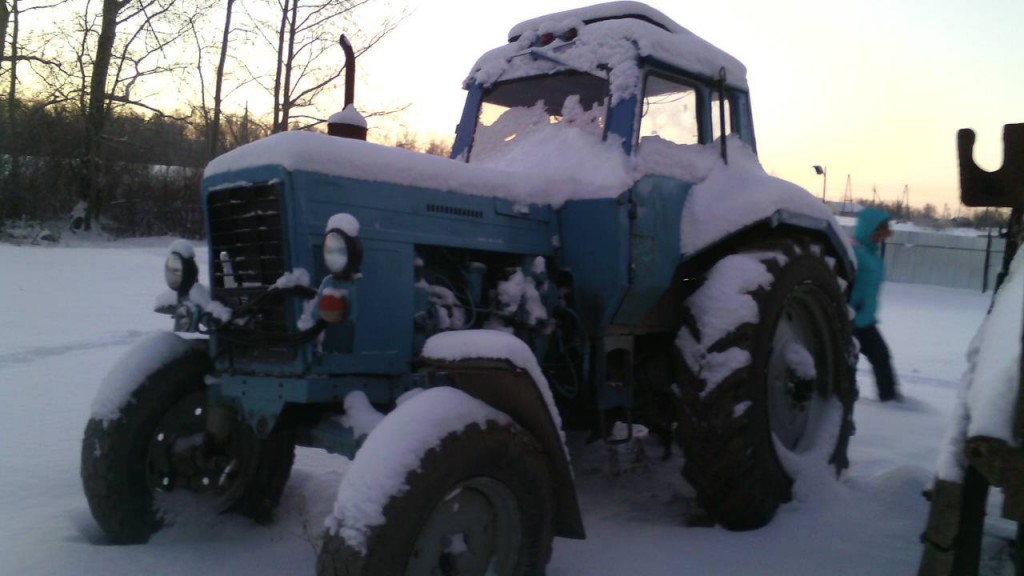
(767, 379)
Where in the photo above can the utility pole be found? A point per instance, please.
(905, 202)
(847, 197)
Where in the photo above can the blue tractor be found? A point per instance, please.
(601, 247)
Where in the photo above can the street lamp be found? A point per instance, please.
(822, 171)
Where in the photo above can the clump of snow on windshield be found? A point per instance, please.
(687, 162)
(393, 450)
(469, 344)
(131, 370)
(348, 115)
(721, 305)
(345, 222)
(182, 247)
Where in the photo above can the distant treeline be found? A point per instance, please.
(930, 215)
(149, 172)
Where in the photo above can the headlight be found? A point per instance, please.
(342, 253)
(180, 269)
(174, 271)
(335, 252)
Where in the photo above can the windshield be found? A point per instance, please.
(512, 110)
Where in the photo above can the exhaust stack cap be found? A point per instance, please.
(348, 123)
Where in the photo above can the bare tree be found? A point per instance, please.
(307, 57)
(5, 18)
(152, 27)
(218, 89)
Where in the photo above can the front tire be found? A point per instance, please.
(159, 443)
(480, 503)
(767, 379)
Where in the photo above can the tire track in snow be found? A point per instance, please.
(30, 355)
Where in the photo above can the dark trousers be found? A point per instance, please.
(873, 346)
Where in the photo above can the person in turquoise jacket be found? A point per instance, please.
(872, 229)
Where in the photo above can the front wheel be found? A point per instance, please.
(479, 503)
(768, 379)
(158, 443)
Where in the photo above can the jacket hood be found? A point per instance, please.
(868, 220)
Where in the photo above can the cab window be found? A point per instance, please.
(670, 111)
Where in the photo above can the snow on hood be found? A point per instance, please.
(615, 43)
(539, 171)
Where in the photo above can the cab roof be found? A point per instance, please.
(612, 36)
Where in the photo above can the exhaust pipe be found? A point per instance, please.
(350, 71)
(348, 123)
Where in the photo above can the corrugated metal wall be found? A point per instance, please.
(941, 259)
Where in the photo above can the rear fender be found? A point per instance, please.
(502, 385)
(783, 223)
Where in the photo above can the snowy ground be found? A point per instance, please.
(68, 313)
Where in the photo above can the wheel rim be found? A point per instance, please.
(799, 368)
(475, 530)
(182, 456)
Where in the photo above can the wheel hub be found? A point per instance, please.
(474, 531)
(183, 456)
(797, 364)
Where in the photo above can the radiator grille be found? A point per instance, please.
(247, 248)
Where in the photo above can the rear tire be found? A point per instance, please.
(158, 444)
(776, 386)
(483, 496)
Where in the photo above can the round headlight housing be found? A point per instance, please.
(180, 272)
(342, 253)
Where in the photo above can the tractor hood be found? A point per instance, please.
(537, 174)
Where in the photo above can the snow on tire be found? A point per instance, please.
(155, 442)
(767, 383)
(444, 485)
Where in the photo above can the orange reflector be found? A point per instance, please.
(333, 309)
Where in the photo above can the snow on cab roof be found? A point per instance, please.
(613, 35)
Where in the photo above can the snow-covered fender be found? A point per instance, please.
(781, 222)
(501, 371)
(739, 202)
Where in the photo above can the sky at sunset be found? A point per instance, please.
(874, 89)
